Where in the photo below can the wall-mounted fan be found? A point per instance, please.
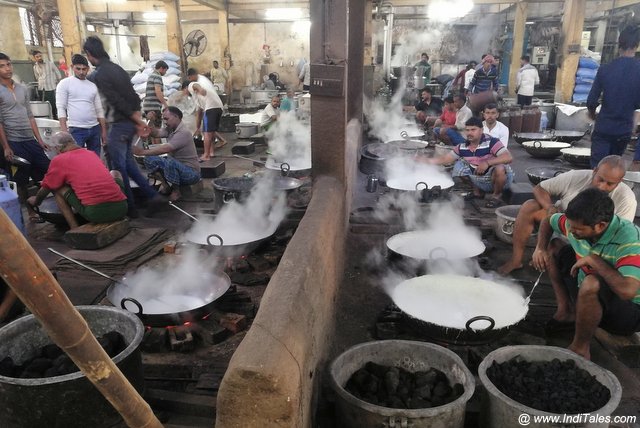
(195, 43)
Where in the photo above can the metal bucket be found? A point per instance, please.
(40, 108)
(499, 411)
(70, 400)
(412, 356)
(506, 218)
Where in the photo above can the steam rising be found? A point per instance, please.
(290, 141)
(178, 285)
(240, 223)
(387, 122)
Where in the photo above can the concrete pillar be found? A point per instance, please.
(11, 40)
(368, 24)
(572, 25)
(73, 26)
(223, 40)
(518, 43)
(174, 32)
(337, 32)
(601, 33)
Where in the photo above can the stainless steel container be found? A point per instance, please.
(372, 183)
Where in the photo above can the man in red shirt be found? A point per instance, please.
(80, 181)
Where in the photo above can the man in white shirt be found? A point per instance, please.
(208, 116)
(305, 76)
(526, 79)
(80, 108)
(270, 113)
(491, 125)
(193, 76)
(457, 133)
(469, 74)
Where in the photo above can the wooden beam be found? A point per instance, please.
(212, 4)
(572, 25)
(225, 49)
(610, 4)
(174, 32)
(518, 44)
(73, 26)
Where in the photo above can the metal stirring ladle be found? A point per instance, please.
(182, 211)
(535, 284)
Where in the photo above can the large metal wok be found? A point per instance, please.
(553, 135)
(544, 149)
(435, 244)
(426, 187)
(578, 156)
(230, 239)
(292, 168)
(538, 174)
(459, 309)
(238, 188)
(159, 306)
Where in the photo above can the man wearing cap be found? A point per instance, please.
(486, 77)
(80, 108)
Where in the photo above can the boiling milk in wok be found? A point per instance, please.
(452, 244)
(451, 300)
(234, 231)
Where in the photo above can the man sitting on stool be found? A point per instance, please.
(80, 181)
(181, 167)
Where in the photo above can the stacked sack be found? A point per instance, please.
(171, 79)
(585, 76)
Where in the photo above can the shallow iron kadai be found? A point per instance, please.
(459, 309)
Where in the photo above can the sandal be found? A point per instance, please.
(220, 144)
(494, 203)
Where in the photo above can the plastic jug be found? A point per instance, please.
(10, 204)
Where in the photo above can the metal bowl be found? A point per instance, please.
(17, 160)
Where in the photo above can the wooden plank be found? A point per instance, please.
(92, 236)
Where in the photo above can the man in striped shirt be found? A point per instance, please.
(154, 100)
(606, 293)
(48, 76)
(483, 160)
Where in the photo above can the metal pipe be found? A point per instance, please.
(29, 278)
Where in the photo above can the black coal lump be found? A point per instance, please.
(396, 387)
(7, 367)
(552, 386)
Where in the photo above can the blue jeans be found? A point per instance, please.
(120, 138)
(603, 145)
(455, 137)
(87, 137)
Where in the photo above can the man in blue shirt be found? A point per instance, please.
(486, 77)
(619, 84)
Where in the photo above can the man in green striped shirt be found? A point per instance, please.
(607, 264)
